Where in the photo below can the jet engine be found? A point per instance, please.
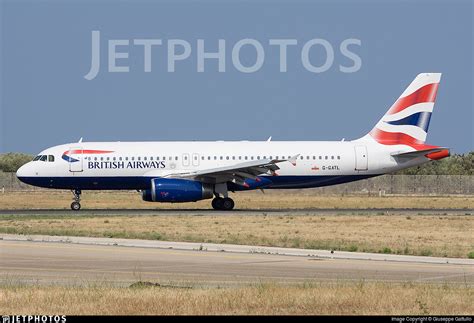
(177, 190)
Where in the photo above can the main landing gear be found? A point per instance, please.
(224, 204)
(76, 205)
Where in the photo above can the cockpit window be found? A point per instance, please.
(44, 157)
(37, 157)
(50, 158)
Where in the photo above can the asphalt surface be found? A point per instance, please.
(89, 212)
(74, 262)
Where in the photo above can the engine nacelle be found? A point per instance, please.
(177, 190)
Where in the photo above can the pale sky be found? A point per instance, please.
(46, 52)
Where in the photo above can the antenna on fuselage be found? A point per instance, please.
(269, 138)
(80, 140)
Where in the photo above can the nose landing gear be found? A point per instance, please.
(76, 205)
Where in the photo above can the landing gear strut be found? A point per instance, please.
(76, 205)
(224, 204)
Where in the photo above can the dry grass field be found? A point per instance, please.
(361, 298)
(440, 235)
(281, 199)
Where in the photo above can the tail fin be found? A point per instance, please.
(407, 120)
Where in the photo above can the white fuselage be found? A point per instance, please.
(94, 165)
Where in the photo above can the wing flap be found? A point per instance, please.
(235, 173)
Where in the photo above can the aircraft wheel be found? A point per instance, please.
(228, 204)
(76, 206)
(217, 203)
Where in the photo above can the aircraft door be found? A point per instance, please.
(361, 158)
(75, 159)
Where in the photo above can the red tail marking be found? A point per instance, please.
(398, 138)
(438, 155)
(426, 93)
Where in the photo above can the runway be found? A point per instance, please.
(103, 212)
(71, 263)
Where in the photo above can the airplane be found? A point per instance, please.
(191, 171)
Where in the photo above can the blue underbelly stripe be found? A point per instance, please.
(141, 183)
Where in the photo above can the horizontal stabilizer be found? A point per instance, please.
(431, 153)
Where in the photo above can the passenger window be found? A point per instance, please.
(251, 157)
(126, 158)
(144, 158)
(208, 157)
(314, 157)
(138, 158)
(301, 157)
(132, 158)
(233, 157)
(51, 158)
(176, 158)
(120, 158)
(332, 157)
(227, 158)
(221, 158)
(258, 157)
(325, 157)
(307, 157)
(338, 157)
(240, 157)
(320, 157)
(246, 157)
(215, 157)
(108, 158)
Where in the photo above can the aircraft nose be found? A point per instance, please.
(24, 171)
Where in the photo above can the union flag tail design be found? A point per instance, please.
(407, 120)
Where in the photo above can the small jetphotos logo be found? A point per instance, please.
(33, 318)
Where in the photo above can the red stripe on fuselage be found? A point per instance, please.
(87, 151)
(424, 94)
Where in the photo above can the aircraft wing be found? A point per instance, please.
(235, 173)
